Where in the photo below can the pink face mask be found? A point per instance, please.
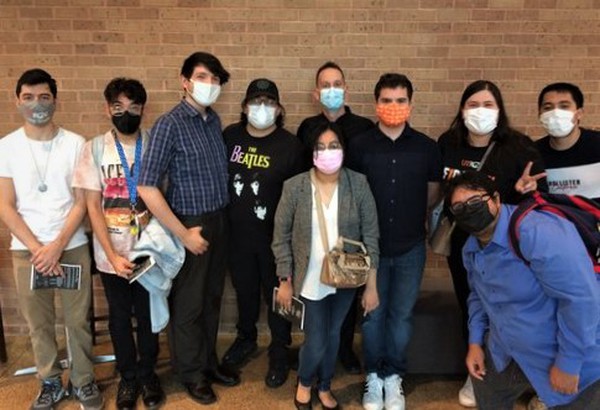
(328, 161)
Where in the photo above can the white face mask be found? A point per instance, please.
(558, 123)
(261, 117)
(205, 94)
(481, 121)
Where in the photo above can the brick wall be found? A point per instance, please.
(440, 44)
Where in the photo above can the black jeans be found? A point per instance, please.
(459, 277)
(195, 301)
(125, 301)
(252, 268)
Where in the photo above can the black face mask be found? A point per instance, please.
(127, 123)
(475, 218)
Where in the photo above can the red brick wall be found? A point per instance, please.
(440, 44)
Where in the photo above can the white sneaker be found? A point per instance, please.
(536, 404)
(394, 395)
(466, 396)
(373, 395)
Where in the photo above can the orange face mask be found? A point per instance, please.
(394, 114)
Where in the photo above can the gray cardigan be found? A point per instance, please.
(357, 219)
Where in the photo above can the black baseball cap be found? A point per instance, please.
(260, 87)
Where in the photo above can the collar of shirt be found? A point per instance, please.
(500, 237)
(406, 132)
(193, 112)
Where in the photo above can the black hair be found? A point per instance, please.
(473, 180)
(132, 89)
(313, 138)
(562, 88)
(207, 60)
(36, 76)
(327, 65)
(394, 80)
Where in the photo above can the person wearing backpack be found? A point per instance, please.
(108, 171)
(533, 321)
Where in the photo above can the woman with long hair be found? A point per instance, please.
(480, 121)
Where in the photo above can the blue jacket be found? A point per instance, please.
(169, 254)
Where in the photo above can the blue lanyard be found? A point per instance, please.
(132, 180)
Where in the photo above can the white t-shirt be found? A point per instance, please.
(44, 213)
(313, 288)
(109, 178)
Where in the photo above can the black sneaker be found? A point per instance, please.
(239, 353)
(277, 374)
(152, 394)
(127, 394)
(51, 392)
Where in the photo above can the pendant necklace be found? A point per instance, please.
(42, 187)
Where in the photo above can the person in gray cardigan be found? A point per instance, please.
(349, 211)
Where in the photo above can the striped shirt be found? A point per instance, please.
(190, 152)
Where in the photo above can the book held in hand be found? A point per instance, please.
(295, 315)
(71, 278)
(142, 265)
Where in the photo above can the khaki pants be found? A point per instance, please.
(37, 306)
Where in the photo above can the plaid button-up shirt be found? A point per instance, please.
(190, 152)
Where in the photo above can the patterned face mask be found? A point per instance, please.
(393, 114)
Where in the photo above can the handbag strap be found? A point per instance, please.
(320, 216)
(486, 155)
(342, 239)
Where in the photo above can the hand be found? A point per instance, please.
(476, 361)
(194, 242)
(122, 266)
(562, 382)
(370, 299)
(46, 259)
(528, 183)
(284, 296)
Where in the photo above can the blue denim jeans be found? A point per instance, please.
(322, 324)
(387, 330)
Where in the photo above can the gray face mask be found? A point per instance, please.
(37, 113)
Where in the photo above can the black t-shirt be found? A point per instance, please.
(574, 171)
(398, 173)
(350, 123)
(505, 165)
(257, 169)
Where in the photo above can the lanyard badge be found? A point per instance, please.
(131, 177)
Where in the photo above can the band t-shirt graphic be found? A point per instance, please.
(110, 179)
(257, 169)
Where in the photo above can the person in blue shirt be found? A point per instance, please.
(534, 324)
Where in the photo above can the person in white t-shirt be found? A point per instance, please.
(44, 217)
(108, 171)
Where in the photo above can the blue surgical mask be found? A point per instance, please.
(332, 98)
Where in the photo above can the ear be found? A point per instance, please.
(107, 110)
(578, 115)
(316, 95)
(186, 84)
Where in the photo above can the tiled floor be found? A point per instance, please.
(423, 392)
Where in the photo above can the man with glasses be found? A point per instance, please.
(186, 147)
(262, 154)
(109, 171)
(533, 324)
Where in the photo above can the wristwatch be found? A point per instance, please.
(284, 279)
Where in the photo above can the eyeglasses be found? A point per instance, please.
(119, 109)
(268, 102)
(471, 203)
(332, 145)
